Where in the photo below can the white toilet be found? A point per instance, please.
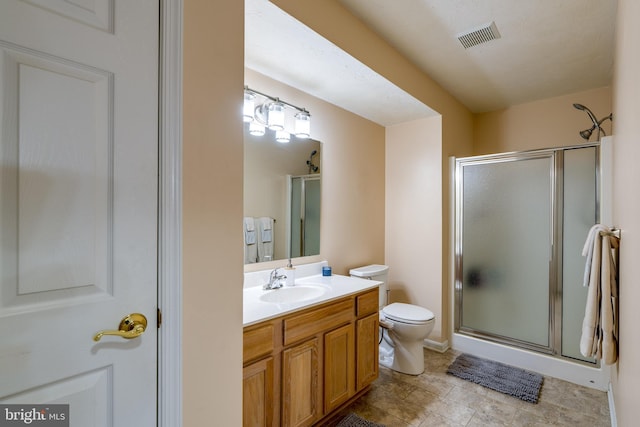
(404, 326)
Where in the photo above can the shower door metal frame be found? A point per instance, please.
(302, 224)
(556, 155)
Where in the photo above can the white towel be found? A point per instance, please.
(266, 226)
(265, 241)
(598, 338)
(250, 240)
(249, 231)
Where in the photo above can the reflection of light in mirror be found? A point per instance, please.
(282, 136)
(256, 129)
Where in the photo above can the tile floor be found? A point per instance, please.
(437, 399)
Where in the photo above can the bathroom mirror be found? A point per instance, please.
(282, 183)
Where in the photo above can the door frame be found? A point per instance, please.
(169, 385)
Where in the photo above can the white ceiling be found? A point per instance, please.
(547, 48)
(284, 49)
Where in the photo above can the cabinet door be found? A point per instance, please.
(257, 394)
(339, 366)
(300, 375)
(367, 350)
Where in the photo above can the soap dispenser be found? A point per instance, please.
(290, 272)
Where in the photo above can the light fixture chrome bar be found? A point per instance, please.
(276, 99)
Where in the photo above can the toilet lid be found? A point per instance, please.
(408, 313)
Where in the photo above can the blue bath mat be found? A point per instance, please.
(497, 376)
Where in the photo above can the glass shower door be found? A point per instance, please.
(579, 213)
(505, 221)
(521, 222)
(304, 215)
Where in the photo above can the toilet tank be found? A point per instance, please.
(374, 272)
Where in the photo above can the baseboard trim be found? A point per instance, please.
(612, 407)
(438, 346)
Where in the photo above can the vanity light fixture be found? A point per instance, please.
(283, 136)
(271, 113)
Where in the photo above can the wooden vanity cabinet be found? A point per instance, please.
(339, 366)
(258, 393)
(260, 387)
(367, 350)
(300, 384)
(367, 325)
(302, 367)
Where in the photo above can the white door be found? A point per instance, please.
(78, 206)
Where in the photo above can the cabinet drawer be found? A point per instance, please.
(257, 342)
(367, 303)
(322, 319)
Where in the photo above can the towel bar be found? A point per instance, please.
(613, 233)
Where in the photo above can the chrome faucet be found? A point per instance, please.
(275, 280)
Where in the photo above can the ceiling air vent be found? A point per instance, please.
(479, 35)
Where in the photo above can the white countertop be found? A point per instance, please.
(336, 286)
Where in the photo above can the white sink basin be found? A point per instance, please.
(293, 294)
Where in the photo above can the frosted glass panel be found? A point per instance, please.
(305, 216)
(506, 241)
(296, 243)
(312, 217)
(578, 217)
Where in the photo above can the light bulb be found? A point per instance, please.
(256, 129)
(248, 106)
(303, 125)
(283, 136)
(275, 116)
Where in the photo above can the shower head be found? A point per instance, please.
(589, 112)
(586, 134)
(312, 167)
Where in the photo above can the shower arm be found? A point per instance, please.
(586, 134)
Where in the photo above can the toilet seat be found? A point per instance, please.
(407, 313)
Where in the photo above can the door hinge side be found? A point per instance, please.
(159, 318)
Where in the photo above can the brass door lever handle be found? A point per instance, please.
(131, 326)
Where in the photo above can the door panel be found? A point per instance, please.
(339, 367)
(56, 204)
(300, 377)
(506, 285)
(78, 206)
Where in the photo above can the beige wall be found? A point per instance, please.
(353, 171)
(354, 152)
(212, 213)
(546, 123)
(626, 208)
(331, 20)
(414, 217)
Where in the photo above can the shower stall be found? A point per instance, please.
(520, 221)
(303, 219)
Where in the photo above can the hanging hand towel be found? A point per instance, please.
(249, 231)
(598, 327)
(250, 246)
(265, 240)
(266, 226)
